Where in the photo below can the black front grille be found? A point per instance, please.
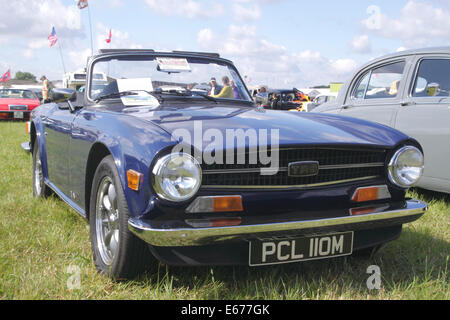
(335, 166)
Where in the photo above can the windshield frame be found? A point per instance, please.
(151, 54)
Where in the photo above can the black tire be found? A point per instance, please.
(117, 252)
(40, 189)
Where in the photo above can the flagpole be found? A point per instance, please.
(62, 59)
(90, 26)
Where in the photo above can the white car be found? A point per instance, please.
(409, 91)
(319, 100)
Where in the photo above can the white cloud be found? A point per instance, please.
(361, 44)
(191, 9)
(119, 39)
(77, 59)
(205, 38)
(343, 66)
(116, 3)
(418, 24)
(39, 43)
(34, 19)
(270, 63)
(241, 13)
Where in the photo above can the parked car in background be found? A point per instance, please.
(37, 92)
(319, 100)
(148, 169)
(283, 99)
(16, 104)
(409, 91)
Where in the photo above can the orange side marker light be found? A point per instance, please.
(134, 179)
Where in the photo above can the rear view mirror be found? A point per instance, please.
(433, 89)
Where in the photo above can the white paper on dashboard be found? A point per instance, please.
(140, 99)
(135, 84)
(139, 86)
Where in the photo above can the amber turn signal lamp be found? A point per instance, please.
(216, 204)
(134, 179)
(227, 204)
(371, 193)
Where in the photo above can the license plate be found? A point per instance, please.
(18, 114)
(278, 251)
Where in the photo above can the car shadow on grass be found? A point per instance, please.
(415, 260)
(432, 196)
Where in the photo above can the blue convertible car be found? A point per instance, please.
(165, 172)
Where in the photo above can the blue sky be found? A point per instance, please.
(281, 43)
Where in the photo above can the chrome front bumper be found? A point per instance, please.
(206, 236)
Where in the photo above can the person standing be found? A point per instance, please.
(45, 90)
(215, 88)
(226, 92)
(236, 93)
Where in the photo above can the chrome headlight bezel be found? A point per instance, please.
(160, 183)
(394, 169)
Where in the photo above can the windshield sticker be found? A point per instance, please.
(141, 99)
(135, 84)
(173, 64)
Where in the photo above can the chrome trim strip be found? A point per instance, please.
(284, 169)
(291, 187)
(205, 236)
(352, 166)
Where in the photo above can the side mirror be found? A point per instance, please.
(433, 89)
(60, 95)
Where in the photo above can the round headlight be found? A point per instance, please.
(177, 177)
(406, 167)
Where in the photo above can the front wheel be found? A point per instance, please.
(116, 251)
(40, 189)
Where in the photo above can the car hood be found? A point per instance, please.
(5, 102)
(293, 128)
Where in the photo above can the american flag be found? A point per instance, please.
(82, 4)
(52, 37)
(6, 76)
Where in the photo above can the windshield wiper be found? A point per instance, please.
(193, 93)
(115, 95)
(129, 93)
(185, 93)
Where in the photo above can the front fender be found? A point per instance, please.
(133, 144)
(38, 116)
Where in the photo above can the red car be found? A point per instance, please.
(17, 103)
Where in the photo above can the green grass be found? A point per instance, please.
(41, 239)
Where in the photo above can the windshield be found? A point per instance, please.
(17, 94)
(190, 77)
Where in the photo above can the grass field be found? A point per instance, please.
(45, 250)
